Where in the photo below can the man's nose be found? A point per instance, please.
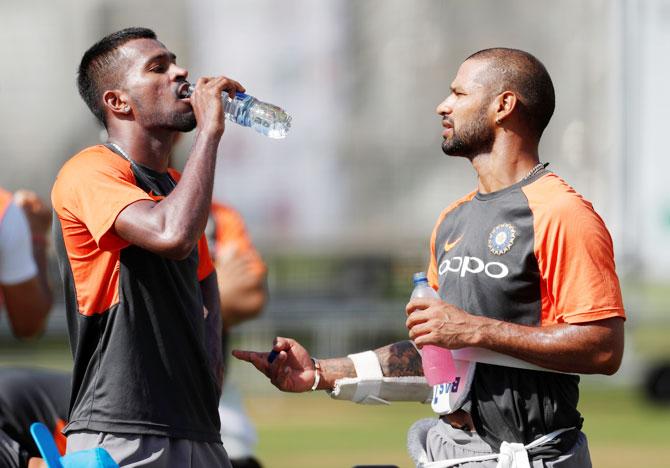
(180, 72)
(444, 108)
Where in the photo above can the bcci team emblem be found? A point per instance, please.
(502, 238)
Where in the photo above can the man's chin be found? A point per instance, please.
(450, 149)
(184, 123)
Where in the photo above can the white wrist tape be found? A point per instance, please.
(372, 388)
(367, 365)
(368, 373)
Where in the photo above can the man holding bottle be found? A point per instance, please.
(141, 290)
(524, 268)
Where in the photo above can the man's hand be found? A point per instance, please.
(37, 212)
(435, 322)
(291, 371)
(207, 104)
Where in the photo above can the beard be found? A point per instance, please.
(473, 138)
(167, 120)
(182, 122)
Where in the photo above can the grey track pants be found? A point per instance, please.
(134, 450)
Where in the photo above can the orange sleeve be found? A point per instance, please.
(575, 256)
(431, 274)
(205, 264)
(231, 230)
(94, 187)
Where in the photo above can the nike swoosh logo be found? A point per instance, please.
(450, 245)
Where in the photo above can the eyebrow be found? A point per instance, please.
(169, 55)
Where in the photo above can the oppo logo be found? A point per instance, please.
(465, 265)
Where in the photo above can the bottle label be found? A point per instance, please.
(450, 396)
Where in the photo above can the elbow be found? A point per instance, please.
(611, 365)
(607, 362)
(608, 348)
(177, 246)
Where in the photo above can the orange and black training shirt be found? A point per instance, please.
(135, 319)
(536, 254)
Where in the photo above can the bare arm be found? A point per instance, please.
(27, 308)
(28, 303)
(293, 370)
(173, 226)
(242, 290)
(589, 348)
(213, 327)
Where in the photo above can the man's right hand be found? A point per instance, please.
(36, 210)
(208, 105)
(291, 371)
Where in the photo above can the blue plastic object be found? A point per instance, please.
(93, 458)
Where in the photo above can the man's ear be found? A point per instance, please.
(505, 104)
(116, 101)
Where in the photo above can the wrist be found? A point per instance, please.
(210, 134)
(483, 330)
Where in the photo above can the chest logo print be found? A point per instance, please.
(450, 245)
(502, 238)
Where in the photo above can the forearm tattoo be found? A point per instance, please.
(399, 360)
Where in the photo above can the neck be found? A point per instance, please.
(150, 149)
(506, 164)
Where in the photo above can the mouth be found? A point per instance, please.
(448, 126)
(184, 90)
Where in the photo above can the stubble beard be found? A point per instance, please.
(166, 120)
(474, 138)
(182, 122)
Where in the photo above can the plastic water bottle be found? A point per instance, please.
(246, 110)
(437, 362)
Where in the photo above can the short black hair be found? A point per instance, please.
(97, 67)
(522, 73)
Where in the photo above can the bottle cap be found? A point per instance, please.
(419, 277)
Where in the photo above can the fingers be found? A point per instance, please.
(419, 330)
(24, 197)
(282, 344)
(37, 212)
(415, 318)
(259, 360)
(278, 369)
(419, 304)
(218, 85)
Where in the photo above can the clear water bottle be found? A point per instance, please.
(245, 110)
(437, 362)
